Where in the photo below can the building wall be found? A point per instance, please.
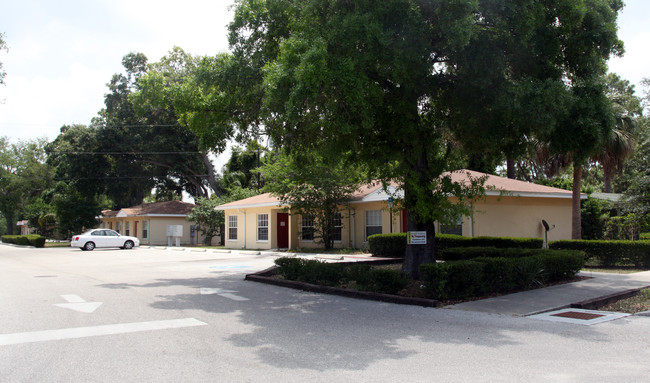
(522, 217)
(157, 232)
(247, 237)
(506, 216)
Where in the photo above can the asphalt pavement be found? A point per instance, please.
(162, 315)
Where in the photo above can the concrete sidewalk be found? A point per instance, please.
(560, 296)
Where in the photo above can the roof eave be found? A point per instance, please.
(252, 205)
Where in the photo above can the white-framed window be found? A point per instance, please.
(145, 229)
(117, 226)
(127, 228)
(307, 228)
(338, 227)
(232, 227)
(262, 227)
(453, 229)
(373, 222)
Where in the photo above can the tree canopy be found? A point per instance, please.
(3, 47)
(133, 147)
(394, 84)
(314, 188)
(24, 176)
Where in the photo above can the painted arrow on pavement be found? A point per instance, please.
(76, 303)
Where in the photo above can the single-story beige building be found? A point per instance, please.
(511, 208)
(152, 222)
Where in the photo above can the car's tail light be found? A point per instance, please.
(76, 238)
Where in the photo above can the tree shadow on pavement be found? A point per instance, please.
(288, 328)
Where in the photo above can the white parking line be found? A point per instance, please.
(221, 292)
(84, 332)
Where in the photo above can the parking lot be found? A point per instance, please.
(170, 315)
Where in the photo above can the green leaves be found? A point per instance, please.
(313, 186)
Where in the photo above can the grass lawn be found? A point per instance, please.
(617, 270)
(57, 244)
(638, 303)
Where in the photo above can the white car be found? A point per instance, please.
(103, 238)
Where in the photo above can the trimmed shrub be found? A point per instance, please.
(385, 281)
(499, 274)
(486, 275)
(560, 265)
(335, 274)
(453, 280)
(387, 245)
(394, 245)
(290, 268)
(460, 253)
(610, 253)
(25, 240)
(36, 240)
(321, 273)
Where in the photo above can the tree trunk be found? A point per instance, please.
(10, 227)
(417, 255)
(510, 168)
(211, 178)
(576, 219)
(608, 175)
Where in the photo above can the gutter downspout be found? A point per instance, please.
(244, 213)
(353, 236)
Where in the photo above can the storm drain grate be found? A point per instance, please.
(578, 315)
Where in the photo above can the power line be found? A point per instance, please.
(121, 153)
(118, 177)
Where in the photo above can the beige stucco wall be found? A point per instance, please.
(359, 222)
(506, 216)
(157, 233)
(521, 217)
(247, 228)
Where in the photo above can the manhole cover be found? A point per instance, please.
(578, 315)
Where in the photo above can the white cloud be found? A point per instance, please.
(39, 106)
(633, 66)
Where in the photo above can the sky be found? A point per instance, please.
(63, 53)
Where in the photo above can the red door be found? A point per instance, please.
(135, 229)
(283, 230)
(404, 221)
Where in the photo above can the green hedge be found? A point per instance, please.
(610, 253)
(337, 275)
(464, 253)
(487, 275)
(25, 240)
(394, 245)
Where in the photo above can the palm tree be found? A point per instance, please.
(619, 145)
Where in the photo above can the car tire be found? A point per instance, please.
(89, 246)
(128, 245)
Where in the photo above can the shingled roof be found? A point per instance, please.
(165, 208)
(374, 191)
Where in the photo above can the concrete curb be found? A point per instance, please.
(595, 303)
(264, 276)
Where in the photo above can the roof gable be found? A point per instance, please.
(165, 208)
(374, 191)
